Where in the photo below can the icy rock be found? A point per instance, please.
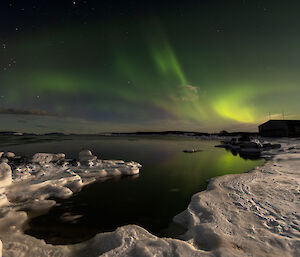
(1, 154)
(86, 156)
(47, 157)
(9, 155)
(5, 175)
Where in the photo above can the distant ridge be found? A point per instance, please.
(138, 133)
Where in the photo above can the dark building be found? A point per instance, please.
(280, 128)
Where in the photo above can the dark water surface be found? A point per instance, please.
(163, 188)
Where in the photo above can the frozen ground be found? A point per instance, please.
(251, 214)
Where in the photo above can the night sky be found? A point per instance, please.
(95, 66)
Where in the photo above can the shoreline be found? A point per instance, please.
(237, 215)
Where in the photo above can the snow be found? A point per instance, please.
(5, 175)
(250, 214)
(47, 157)
(86, 155)
(27, 188)
(9, 155)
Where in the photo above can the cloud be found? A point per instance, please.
(192, 88)
(36, 112)
(189, 98)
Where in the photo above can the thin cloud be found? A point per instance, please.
(192, 88)
(37, 112)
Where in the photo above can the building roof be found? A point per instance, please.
(288, 122)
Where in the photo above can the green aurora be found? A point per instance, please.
(158, 74)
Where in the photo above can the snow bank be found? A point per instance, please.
(250, 214)
(28, 187)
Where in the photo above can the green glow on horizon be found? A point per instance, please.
(234, 106)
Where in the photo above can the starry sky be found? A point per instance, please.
(99, 66)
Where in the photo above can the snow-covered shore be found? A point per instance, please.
(251, 214)
(28, 187)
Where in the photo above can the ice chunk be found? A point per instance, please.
(5, 175)
(47, 157)
(86, 156)
(9, 155)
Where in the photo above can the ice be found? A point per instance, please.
(5, 160)
(68, 217)
(3, 198)
(5, 175)
(9, 155)
(47, 157)
(12, 221)
(250, 214)
(28, 187)
(86, 156)
(136, 242)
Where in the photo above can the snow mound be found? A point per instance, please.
(86, 155)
